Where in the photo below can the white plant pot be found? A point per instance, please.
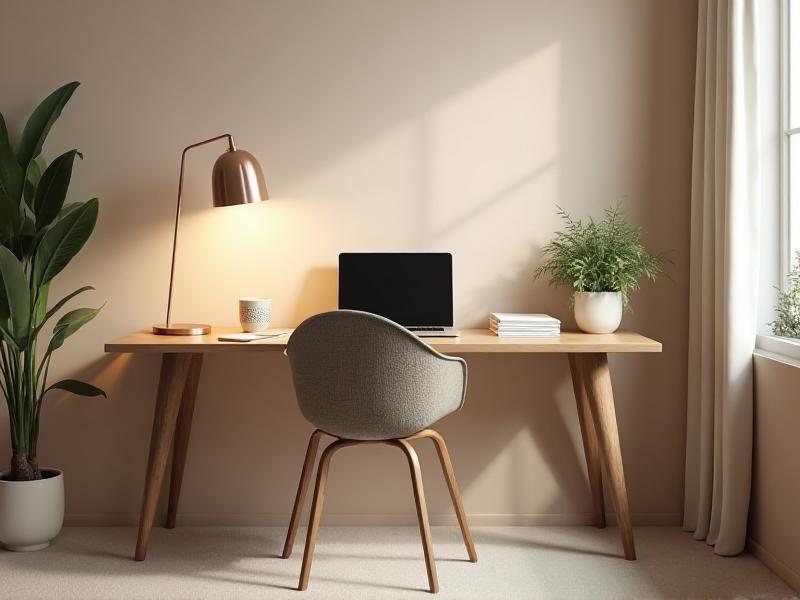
(598, 312)
(31, 512)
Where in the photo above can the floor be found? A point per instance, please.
(384, 562)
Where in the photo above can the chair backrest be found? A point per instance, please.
(361, 376)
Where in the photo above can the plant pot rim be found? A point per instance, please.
(582, 292)
(52, 474)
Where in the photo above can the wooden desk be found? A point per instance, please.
(182, 359)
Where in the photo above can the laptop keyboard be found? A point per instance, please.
(425, 328)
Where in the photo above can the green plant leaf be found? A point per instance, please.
(52, 189)
(11, 177)
(9, 217)
(68, 208)
(40, 309)
(11, 174)
(34, 174)
(69, 324)
(40, 122)
(79, 388)
(58, 306)
(6, 336)
(27, 238)
(15, 297)
(62, 241)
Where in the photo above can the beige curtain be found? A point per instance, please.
(723, 275)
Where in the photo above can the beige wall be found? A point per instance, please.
(774, 520)
(381, 125)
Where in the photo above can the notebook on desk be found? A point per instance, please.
(414, 289)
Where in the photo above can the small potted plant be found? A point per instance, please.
(39, 235)
(603, 262)
(787, 309)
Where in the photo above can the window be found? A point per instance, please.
(790, 151)
(779, 157)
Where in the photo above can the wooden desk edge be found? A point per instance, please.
(170, 344)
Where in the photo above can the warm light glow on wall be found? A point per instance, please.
(469, 167)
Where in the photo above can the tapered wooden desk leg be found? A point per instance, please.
(183, 429)
(591, 447)
(597, 382)
(174, 372)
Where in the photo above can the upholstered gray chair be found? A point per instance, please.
(361, 378)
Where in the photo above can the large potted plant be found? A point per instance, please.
(39, 235)
(603, 262)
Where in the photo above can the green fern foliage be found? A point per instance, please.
(787, 308)
(599, 256)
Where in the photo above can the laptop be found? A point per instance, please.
(414, 289)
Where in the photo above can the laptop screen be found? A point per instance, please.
(413, 289)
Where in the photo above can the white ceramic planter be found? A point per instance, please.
(598, 312)
(31, 512)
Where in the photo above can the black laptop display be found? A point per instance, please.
(412, 289)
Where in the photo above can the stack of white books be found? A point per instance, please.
(524, 325)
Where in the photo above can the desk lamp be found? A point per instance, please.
(236, 179)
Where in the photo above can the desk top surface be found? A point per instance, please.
(471, 341)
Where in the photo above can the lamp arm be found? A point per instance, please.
(231, 147)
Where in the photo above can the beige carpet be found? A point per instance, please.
(384, 562)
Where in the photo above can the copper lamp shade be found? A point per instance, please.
(236, 179)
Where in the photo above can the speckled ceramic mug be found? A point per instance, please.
(255, 314)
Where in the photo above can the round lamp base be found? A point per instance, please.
(182, 329)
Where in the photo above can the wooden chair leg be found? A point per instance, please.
(591, 446)
(316, 508)
(422, 512)
(452, 485)
(183, 429)
(302, 489)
